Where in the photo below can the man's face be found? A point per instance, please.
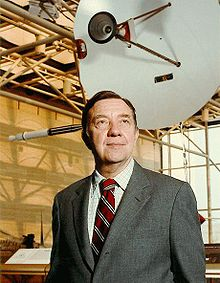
(112, 131)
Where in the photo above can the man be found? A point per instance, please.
(142, 228)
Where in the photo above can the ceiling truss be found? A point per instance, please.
(44, 67)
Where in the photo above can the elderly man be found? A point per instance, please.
(124, 223)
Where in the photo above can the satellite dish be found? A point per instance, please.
(162, 56)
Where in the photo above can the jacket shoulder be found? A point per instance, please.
(73, 188)
(160, 177)
(161, 181)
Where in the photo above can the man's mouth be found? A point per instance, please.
(115, 144)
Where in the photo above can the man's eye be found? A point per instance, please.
(125, 122)
(101, 123)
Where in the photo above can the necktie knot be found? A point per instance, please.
(107, 184)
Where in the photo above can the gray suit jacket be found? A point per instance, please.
(155, 236)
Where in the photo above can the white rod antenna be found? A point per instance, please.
(45, 132)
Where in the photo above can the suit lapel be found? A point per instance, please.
(80, 214)
(137, 193)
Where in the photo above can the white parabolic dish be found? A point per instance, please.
(187, 31)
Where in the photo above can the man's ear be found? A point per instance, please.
(86, 139)
(136, 134)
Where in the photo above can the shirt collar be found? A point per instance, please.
(122, 178)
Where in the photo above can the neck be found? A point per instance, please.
(111, 170)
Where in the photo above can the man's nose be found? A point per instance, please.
(114, 129)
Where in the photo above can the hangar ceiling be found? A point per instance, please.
(39, 58)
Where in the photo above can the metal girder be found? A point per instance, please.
(39, 67)
(37, 20)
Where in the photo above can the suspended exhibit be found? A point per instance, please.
(162, 56)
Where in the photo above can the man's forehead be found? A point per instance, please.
(111, 104)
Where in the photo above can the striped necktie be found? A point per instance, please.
(104, 216)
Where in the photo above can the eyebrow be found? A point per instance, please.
(125, 116)
(105, 116)
(99, 116)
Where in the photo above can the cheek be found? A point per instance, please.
(132, 137)
(97, 138)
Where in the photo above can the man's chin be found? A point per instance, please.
(117, 159)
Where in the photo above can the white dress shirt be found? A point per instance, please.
(122, 180)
